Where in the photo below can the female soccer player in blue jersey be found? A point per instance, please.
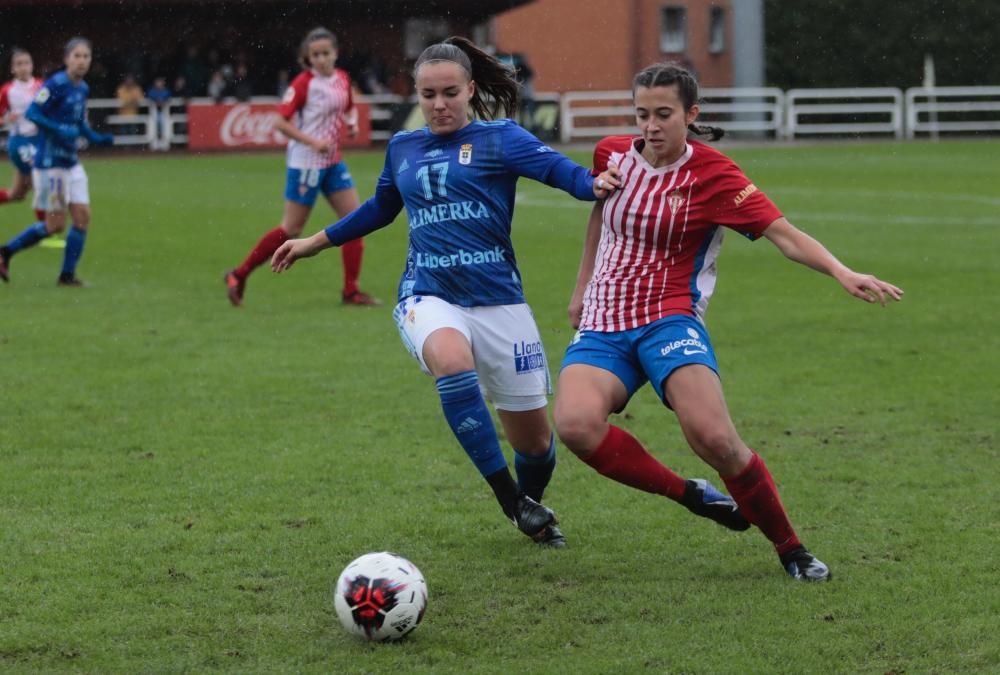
(461, 312)
(60, 112)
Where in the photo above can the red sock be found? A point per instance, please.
(4, 196)
(622, 458)
(262, 252)
(40, 214)
(756, 495)
(351, 253)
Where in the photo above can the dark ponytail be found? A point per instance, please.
(667, 74)
(497, 89)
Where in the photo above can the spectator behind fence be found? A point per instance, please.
(525, 76)
(217, 86)
(282, 82)
(158, 93)
(130, 97)
(160, 97)
(194, 75)
(242, 84)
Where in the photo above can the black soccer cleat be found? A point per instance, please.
(804, 566)
(70, 280)
(702, 499)
(533, 519)
(4, 265)
(552, 538)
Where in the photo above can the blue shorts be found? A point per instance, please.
(303, 185)
(646, 354)
(21, 150)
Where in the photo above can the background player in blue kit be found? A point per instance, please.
(60, 112)
(462, 312)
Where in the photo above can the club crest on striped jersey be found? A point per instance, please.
(465, 154)
(676, 201)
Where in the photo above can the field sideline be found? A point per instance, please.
(181, 482)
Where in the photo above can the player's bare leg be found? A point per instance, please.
(695, 393)
(344, 202)
(293, 221)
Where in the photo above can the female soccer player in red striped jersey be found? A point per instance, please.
(15, 97)
(646, 275)
(321, 102)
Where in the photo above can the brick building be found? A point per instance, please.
(584, 44)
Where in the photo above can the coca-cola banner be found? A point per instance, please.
(250, 126)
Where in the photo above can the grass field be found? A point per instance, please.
(181, 482)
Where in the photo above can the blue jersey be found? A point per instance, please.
(59, 110)
(458, 190)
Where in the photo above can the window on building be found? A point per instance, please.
(673, 30)
(716, 30)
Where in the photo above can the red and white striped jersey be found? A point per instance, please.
(661, 233)
(318, 104)
(15, 97)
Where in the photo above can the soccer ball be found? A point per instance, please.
(380, 596)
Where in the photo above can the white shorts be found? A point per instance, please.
(506, 347)
(56, 189)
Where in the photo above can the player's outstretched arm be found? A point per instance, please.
(798, 246)
(293, 249)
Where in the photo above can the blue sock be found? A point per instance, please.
(470, 421)
(534, 472)
(74, 249)
(30, 236)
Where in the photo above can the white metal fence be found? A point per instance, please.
(844, 111)
(575, 116)
(952, 109)
(609, 113)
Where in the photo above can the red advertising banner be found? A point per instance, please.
(250, 126)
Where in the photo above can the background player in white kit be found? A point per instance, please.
(462, 312)
(15, 97)
(322, 105)
(646, 275)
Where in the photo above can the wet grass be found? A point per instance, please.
(181, 482)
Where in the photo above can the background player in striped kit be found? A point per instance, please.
(646, 275)
(322, 104)
(15, 97)
(60, 112)
(461, 312)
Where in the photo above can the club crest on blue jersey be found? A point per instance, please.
(528, 356)
(465, 154)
